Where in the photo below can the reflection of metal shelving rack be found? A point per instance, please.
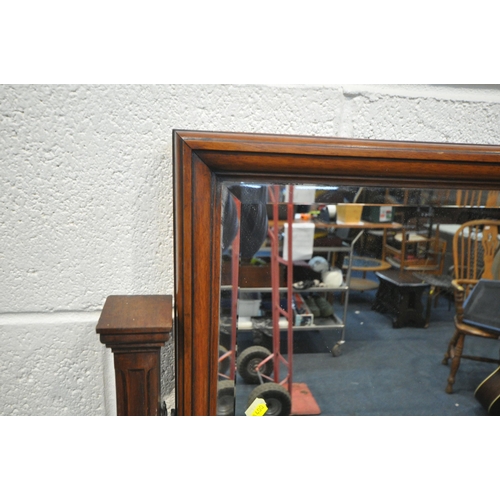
(336, 322)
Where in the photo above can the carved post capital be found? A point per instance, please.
(135, 328)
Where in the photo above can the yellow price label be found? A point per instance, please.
(257, 409)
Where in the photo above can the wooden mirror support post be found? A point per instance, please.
(136, 327)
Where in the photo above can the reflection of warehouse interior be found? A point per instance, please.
(342, 301)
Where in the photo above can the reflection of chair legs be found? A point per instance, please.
(455, 350)
(451, 347)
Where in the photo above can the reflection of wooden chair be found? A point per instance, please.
(475, 256)
(472, 198)
(466, 198)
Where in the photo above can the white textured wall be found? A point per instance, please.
(86, 204)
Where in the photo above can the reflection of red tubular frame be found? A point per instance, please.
(235, 267)
(277, 310)
(303, 402)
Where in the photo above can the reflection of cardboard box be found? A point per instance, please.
(302, 314)
(377, 213)
(252, 276)
(348, 213)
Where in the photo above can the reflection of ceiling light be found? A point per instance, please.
(296, 186)
(329, 188)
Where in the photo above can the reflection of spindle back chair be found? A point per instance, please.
(469, 198)
(466, 198)
(475, 256)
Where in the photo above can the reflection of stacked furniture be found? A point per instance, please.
(419, 252)
(417, 247)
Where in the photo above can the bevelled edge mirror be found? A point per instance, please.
(203, 160)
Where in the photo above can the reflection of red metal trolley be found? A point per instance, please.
(259, 365)
(265, 365)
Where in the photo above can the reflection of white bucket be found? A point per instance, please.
(332, 278)
(332, 211)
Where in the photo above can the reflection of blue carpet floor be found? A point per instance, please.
(382, 370)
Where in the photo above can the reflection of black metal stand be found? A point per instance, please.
(400, 294)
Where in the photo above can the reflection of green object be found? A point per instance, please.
(256, 261)
(324, 306)
(313, 307)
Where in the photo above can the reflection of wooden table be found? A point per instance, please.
(400, 294)
(365, 264)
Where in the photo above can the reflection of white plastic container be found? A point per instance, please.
(247, 308)
(302, 240)
(332, 211)
(302, 195)
(332, 278)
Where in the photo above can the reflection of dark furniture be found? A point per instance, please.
(400, 294)
(475, 255)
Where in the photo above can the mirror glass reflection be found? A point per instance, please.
(338, 300)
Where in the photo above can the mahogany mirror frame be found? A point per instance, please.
(203, 160)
